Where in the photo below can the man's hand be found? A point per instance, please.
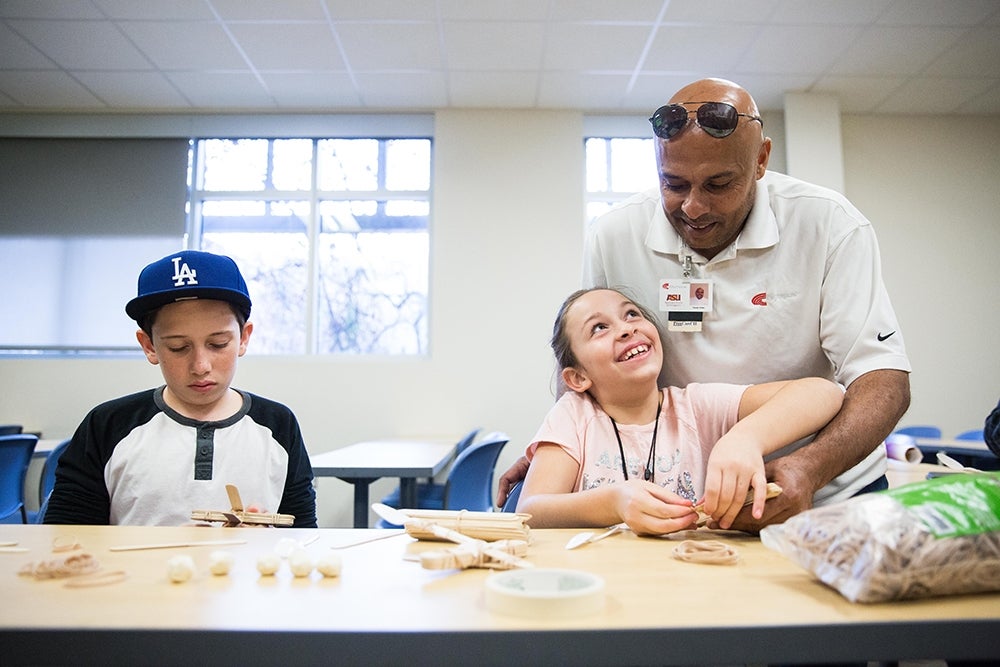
(514, 474)
(873, 404)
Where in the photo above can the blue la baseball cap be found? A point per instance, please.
(189, 274)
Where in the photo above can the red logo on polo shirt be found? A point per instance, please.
(759, 299)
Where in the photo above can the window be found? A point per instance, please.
(332, 236)
(616, 168)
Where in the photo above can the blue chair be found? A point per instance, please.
(10, 429)
(920, 431)
(974, 434)
(15, 457)
(430, 491)
(47, 481)
(510, 505)
(470, 482)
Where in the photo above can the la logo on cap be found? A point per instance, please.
(183, 274)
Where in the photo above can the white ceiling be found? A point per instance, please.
(880, 56)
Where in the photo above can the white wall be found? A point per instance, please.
(507, 241)
(931, 186)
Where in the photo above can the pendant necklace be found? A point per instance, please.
(650, 461)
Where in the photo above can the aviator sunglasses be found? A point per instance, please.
(716, 118)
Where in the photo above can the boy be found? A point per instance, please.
(152, 457)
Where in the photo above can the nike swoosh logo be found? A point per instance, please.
(882, 338)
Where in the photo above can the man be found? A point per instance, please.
(795, 275)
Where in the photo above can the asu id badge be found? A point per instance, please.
(685, 300)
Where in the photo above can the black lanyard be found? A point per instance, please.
(648, 474)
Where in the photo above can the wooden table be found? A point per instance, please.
(364, 462)
(387, 610)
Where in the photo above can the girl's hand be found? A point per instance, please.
(733, 468)
(649, 509)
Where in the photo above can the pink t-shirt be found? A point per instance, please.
(692, 420)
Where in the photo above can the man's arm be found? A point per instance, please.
(515, 473)
(873, 405)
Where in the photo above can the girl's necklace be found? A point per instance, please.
(648, 473)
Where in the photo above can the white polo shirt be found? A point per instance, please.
(798, 293)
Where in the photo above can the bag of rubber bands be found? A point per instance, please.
(939, 537)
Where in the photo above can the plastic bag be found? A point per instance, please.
(939, 537)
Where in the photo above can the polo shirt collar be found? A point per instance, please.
(760, 230)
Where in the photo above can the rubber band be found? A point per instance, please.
(60, 568)
(710, 552)
(97, 579)
(64, 543)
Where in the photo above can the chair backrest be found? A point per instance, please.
(920, 431)
(15, 457)
(470, 482)
(974, 434)
(510, 505)
(10, 429)
(466, 440)
(48, 477)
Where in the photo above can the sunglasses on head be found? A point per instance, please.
(717, 119)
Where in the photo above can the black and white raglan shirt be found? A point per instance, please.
(135, 461)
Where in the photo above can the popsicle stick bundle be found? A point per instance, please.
(237, 516)
(489, 526)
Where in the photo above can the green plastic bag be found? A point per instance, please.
(939, 537)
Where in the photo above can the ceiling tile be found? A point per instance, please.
(699, 48)
(82, 44)
(977, 53)
(891, 50)
(222, 90)
(409, 90)
(17, 53)
(312, 90)
(185, 45)
(987, 102)
(382, 10)
(268, 10)
(581, 46)
(719, 12)
(176, 10)
(463, 10)
(485, 89)
(133, 90)
(858, 94)
(46, 89)
(263, 55)
(602, 11)
(936, 12)
(67, 9)
(824, 12)
(797, 49)
(930, 96)
(501, 45)
(391, 46)
(583, 90)
(769, 90)
(271, 46)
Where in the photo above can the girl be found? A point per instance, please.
(617, 448)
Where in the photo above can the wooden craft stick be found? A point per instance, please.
(175, 545)
(234, 497)
(773, 490)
